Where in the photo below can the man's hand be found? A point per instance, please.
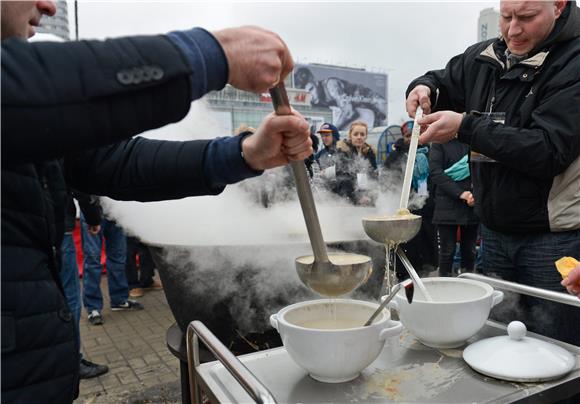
(441, 126)
(572, 282)
(467, 196)
(257, 59)
(279, 139)
(420, 95)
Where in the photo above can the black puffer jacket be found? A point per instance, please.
(534, 185)
(71, 114)
(38, 332)
(449, 209)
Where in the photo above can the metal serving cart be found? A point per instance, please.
(405, 371)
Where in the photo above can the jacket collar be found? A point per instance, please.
(490, 53)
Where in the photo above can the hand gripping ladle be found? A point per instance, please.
(331, 274)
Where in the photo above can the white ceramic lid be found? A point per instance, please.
(516, 357)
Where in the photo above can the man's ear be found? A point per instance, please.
(559, 6)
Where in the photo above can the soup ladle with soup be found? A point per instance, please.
(391, 230)
(327, 274)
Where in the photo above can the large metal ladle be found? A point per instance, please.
(332, 274)
(402, 226)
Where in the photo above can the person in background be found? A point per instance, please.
(514, 101)
(310, 161)
(69, 274)
(70, 112)
(113, 238)
(326, 157)
(139, 268)
(356, 166)
(449, 172)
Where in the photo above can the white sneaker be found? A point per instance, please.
(95, 318)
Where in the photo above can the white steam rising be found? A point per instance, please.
(204, 236)
(236, 217)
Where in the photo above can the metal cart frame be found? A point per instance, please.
(261, 394)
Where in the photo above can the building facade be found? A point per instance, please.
(58, 24)
(321, 93)
(488, 24)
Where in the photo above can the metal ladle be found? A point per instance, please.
(402, 226)
(332, 274)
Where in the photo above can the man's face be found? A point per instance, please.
(20, 17)
(525, 24)
(326, 138)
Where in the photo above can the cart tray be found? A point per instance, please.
(406, 371)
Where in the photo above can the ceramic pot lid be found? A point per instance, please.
(518, 358)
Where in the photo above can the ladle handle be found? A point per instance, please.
(413, 274)
(383, 304)
(282, 107)
(411, 160)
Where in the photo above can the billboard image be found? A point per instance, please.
(351, 94)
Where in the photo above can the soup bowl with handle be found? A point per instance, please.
(459, 309)
(328, 338)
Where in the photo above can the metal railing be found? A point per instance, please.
(524, 289)
(196, 331)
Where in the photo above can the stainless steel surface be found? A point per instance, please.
(331, 279)
(413, 274)
(323, 275)
(196, 330)
(525, 290)
(405, 371)
(391, 230)
(384, 304)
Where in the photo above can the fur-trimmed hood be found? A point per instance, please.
(347, 147)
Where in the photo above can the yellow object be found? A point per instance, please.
(565, 265)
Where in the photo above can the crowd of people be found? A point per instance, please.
(501, 117)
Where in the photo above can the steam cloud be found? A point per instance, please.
(237, 218)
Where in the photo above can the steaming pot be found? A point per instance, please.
(214, 296)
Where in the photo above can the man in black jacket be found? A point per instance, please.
(69, 111)
(514, 101)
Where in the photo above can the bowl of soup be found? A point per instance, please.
(459, 309)
(328, 338)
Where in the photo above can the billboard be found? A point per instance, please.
(350, 94)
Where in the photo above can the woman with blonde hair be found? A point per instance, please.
(356, 167)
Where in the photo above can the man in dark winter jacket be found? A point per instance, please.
(326, 157)
(69, 112)
(514, 101)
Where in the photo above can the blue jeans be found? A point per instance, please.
(529, 259)
(69, 276)
(116, 250)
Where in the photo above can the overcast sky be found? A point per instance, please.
(403, 39)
